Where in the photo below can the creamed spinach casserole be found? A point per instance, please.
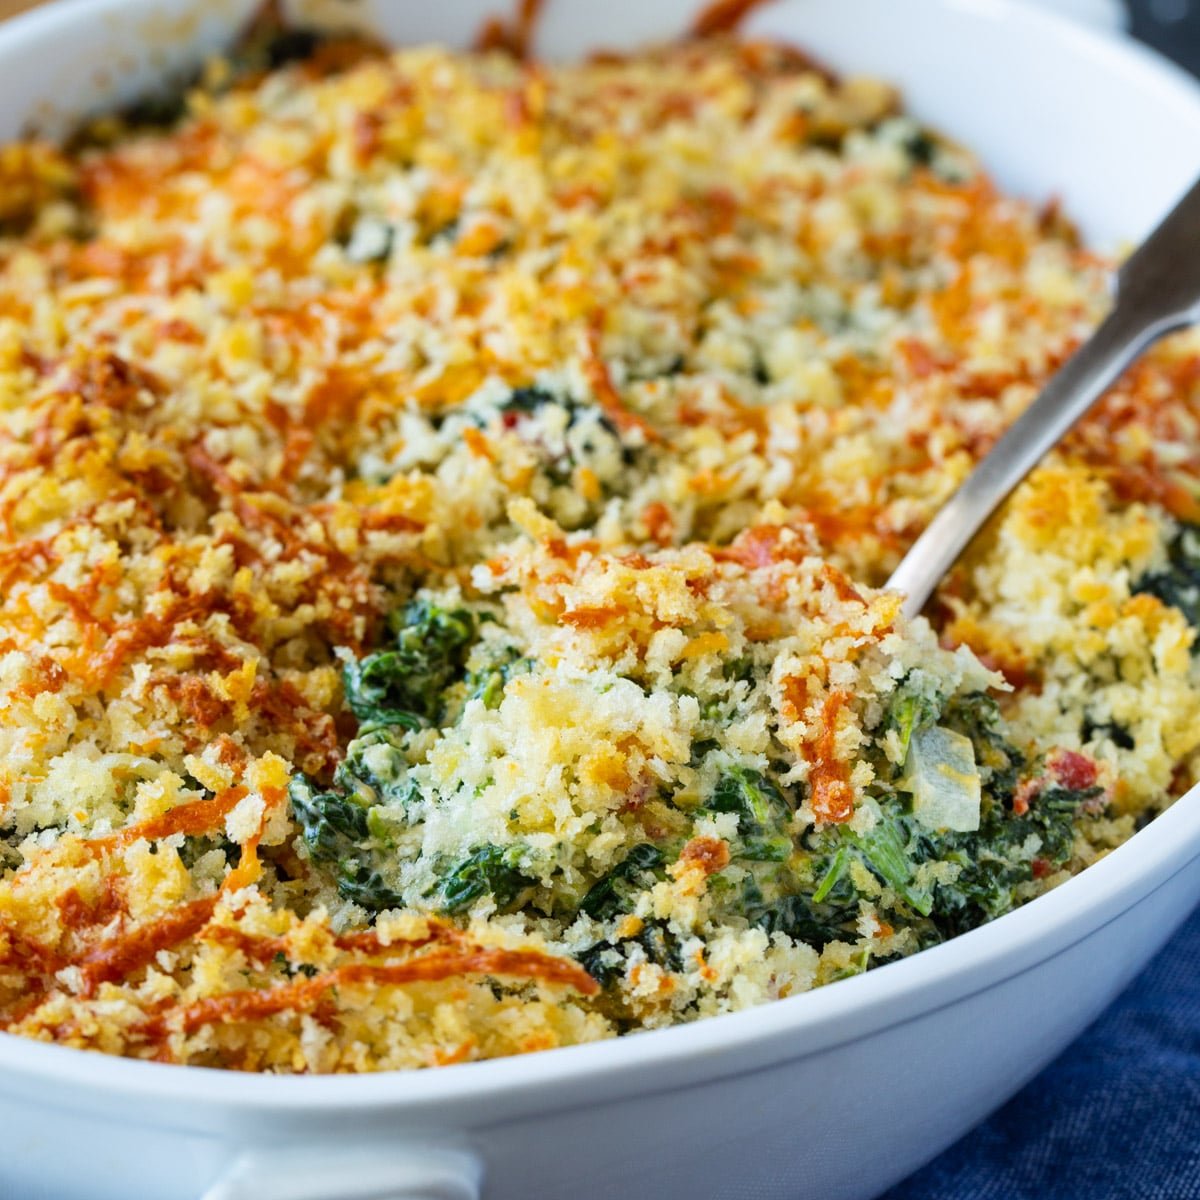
(444, 502)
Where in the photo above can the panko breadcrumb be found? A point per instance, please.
(444, 505)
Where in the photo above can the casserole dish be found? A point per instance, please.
(828, 1061)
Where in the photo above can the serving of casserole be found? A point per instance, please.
(444, 499)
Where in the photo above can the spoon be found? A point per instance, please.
(1157, 292)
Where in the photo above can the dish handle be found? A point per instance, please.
(401, 1172)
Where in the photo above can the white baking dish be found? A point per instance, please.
(836, 1093)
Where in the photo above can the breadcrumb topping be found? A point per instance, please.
(444, 501)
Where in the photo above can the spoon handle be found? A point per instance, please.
(1158, 291)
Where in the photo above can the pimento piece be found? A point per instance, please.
(1073, 770)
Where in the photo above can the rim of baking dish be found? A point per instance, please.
(714, 1046)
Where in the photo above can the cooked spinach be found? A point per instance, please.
(308, 970)
(886, 851)
(911, 709)
(1116, 733)
(162, 108)
(375, 771)
(349, 827)
(920, 147)
(334, 825)
(405, 686)
(369, 683)
(994, 863)
(739, 670)
(327, 819)
(801, 917)
(487, 682)
(605, 961)
(1178, 583)
(611, 894)
(525, 401)
(353, 828)
(990, 864)
(982, 868)
(488, 871)
(528, 400)
(939, 883)
(785, 888)
(763, 814)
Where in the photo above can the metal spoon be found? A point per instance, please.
(1157, 292)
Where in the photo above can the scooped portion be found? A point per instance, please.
(443, 504)
(707, 774)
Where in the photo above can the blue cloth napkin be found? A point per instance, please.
(1116, 1117)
